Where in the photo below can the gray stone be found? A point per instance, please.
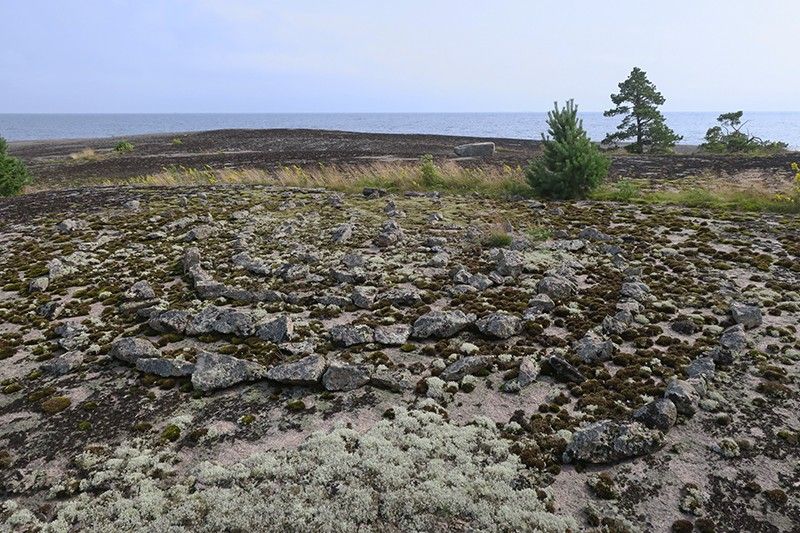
(141, 290)
(292, 271)
(234, 322)
(508, 262)
(394, 335)
(500, 325)
(161, 366)
(402, 296)
(351, 276)
(636, 290)
(218, 371)
(701, 367)
(342, 233)
(659, 414)
(480, 281)
(170, 320)
(608, 442)
(479, 149)
(557, 288)
(191, 259)
(748, 316)
(684, 395)
(63, 364)
(69, 226)
(364, 296)
(591, 233)
(593, 348)
(277, 330)
(541, 303)
(351, 334)
(734, 339)
(441, 324)
(73, 336)
(344, 377)
(439, 260)
(256, 266)
(465, 366)
(564, 371)
(39, 284)
(390, 234)
(129, 349)
(306, 371)
(200, 233)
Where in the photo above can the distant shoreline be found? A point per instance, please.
(59, 127)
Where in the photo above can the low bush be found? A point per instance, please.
(123, 147)
(13, 174)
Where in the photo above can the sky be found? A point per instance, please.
(116, 56)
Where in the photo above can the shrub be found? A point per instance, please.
(728, 137)
(498, 239)
(571, 165)
(792, 199)
(13, 174)
(123, 147)
(428, 172)
(177, 141)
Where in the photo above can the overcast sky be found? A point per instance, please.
(405, 55)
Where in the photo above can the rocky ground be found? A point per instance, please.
(56, 163)
(249, 358)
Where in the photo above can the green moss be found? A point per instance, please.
(247, 419)
(84, 425)
(296, 405)
(776, 497)
(171, 433)
(12, 388)
(55, 404)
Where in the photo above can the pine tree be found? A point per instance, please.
(571, 164)
(638, 100)
(13, 174)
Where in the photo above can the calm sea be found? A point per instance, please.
(774, 126)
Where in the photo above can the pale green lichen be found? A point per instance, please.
(416, 472)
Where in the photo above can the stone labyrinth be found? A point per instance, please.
(213, 319)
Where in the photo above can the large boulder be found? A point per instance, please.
(351, 334)
(608, 442)
(129, 349)
(441, 324)
(218, 371)
(344, 377)
(734, 339)
(558, 288)
(684, 395)
(593, 348)
(659, 414)
(393, 335)
(170, 320)
(480, 149)
(748, 316)
(277, 330)
(306, 371)
(500, 325)
(508, 262)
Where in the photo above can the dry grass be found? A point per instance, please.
(87, 154)
(397, 177)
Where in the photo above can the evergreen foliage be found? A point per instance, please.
(571, 165)
(643, 124)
